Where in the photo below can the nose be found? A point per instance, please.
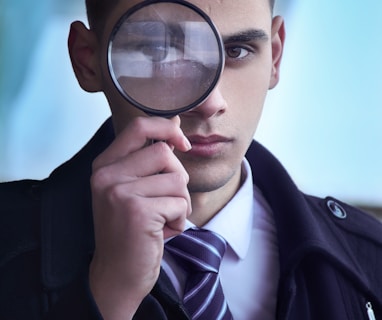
(215, 104)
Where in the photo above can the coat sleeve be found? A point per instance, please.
(22, 296)
(74, 301)
(22, 292)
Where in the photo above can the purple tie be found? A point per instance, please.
(200, 252)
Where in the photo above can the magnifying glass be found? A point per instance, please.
(165, 57)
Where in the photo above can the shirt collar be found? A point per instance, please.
(234, 222)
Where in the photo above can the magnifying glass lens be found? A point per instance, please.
(165, 57)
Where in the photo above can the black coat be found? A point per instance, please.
(330, 253)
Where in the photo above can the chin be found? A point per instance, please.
(208, 181)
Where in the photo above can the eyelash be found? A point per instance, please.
(250, 51)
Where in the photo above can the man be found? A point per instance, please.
(288, 256)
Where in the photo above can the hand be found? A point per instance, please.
(135, 208)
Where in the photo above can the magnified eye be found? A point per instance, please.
(155, 51)
(142, 40)
(165, 57)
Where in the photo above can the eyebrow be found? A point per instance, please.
(246, 36)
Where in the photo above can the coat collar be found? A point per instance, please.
(306, 226)
(304, 223)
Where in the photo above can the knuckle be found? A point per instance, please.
(162, 154)
(97, 163)
(183, 207)
(162, 148)
(102, 183)
(130, 206)
(179, 178)
(138, 125)
(186, 177)
(115, 194)
(99, 178)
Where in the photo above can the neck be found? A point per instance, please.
(205, 205)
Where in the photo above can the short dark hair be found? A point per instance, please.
(98, 10)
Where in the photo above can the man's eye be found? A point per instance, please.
(156, 52)
(237, 52)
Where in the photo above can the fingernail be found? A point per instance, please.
(187, 144)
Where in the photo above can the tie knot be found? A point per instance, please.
(198, 249)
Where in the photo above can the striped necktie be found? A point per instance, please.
(200, 252)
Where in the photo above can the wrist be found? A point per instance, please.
(114, 301)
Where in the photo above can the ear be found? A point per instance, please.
(278, 39)
(83, 51)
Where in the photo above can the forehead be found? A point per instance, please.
(228, 15)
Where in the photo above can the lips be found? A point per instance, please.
(208, 146)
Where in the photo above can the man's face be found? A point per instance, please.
(222, 128)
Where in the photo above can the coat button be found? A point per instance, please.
(336, 209)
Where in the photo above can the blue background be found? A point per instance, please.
(323, 121)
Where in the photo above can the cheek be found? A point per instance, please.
(246, 89)
(249, 80)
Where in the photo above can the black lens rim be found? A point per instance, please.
(148, 110)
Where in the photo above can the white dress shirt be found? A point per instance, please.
(249, 271)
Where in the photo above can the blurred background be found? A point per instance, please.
(323, 121)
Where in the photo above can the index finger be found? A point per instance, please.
(142, 131)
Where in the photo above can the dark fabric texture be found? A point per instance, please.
(330, 267)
